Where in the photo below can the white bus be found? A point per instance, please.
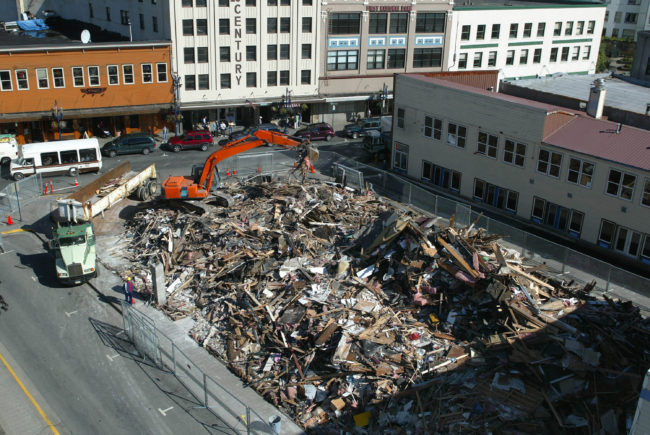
(61, 157)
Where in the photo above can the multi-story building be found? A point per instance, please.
(581, 178)
(641, 65)
(525, 39)
(124, 86)
(625, 18)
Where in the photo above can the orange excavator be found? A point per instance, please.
(198, 185)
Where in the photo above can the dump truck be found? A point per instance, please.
(73, 235)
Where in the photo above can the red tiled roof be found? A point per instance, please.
(598, 138)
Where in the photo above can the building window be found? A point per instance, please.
(496, 30)
(568, 30)
(432, 127)
(528, 30)
(576, 53)
(465, 33)
(204, 81)
(631, 18)
(224, 54)
(615, 33)
(22, 81)
(285, 2)
(161, 69)
(514, 153)
(430, 22)
(141, 21)
(591, 26)
(580, 172)
(606, 234)
(480, 32)
(537, 55)
(541, 29)
(342, 60)
(190, 82)
(57, 78)
(376, 59)
(272, 2)
(224, 81)
(188, 54)
(456, 135)
(285, 25)
(306, 51)
(201, 26)
(580, 27)
(305, 77)
(378, 23)
(398, 23)
(224, 26)
(188, 27)
(77, 77)
(510, 57)
(284, 51)
(627, 241)
(495, 196)
(628, 34)
(113, 75)
(201, 3)
(556, 216)
(549, 163)
(487, 144)
(271, 78)
(224, 3)
(492, 58)
(147, 73)
(251, 26)
(554, 52)
(565, 54)
(202, 54)
(186, 3)
(272, 25)
(251, 3)
(443, 177)
(108, 13)
(645, 197)
(514, 30)
(154, 24)
(128, 77)
(396, 58)
(462, 61)
(617, 16)
(523, 57)
(557, 29)
(427, 57)
(251, 80)
(586, 53)
(620, 184)
(284, 77)
(251, 52)
(478, 59)
(5, 80)
(271, 52)
(344, 23)
(401, 157)
(42, 79)
(93, 76)
(306, 2)
(400, 117)
(124, 17)
(306, 24)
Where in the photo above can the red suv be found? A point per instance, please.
(199, 139)
(319, 131)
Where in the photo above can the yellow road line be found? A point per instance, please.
(17, 230)
(29, 396)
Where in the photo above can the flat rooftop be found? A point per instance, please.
(523, 4)
(620, 94)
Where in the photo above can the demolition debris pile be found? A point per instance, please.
(346, 311)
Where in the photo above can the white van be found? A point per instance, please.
(61, 157)
(8, 148)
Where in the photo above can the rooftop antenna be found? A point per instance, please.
(85, 36)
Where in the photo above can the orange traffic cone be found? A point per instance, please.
(259, 170)
(51, 186)
(75, 182)
(227, 172)
(312, 169)
(45, 189)
(9, 221)
(295, 164)
(234, 172)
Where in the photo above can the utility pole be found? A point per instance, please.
(384, 97)
(177, 110)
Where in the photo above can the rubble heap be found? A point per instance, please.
(345, 310)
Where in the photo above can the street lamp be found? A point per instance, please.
(57, 116)
(177, 110)
(287, 102)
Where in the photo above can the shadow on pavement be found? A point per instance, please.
(42, 264)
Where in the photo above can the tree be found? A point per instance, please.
(602, 64)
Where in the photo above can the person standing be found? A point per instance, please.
(164, 132)
(222, 127)
(369, 113)
(260, 120)
(128, 290)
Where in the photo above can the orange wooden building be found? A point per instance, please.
(122, 87)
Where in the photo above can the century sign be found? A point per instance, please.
(238, 40)
(389, 8)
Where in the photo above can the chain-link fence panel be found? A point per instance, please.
(142, 332)
(423, 200)
(348, 176)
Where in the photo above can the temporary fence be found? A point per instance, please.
(20, 193)
(165, 354)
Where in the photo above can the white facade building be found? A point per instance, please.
(626, 17)
(526, 39)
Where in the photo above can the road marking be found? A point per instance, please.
(112, 357)
(29, 396)
(34, 278)
(70, 313)
(165, 411)
(18, 230)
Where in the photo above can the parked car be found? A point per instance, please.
(250, 130)
(360, 128)
(197, 139)
(319, 131)
(134, 143)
